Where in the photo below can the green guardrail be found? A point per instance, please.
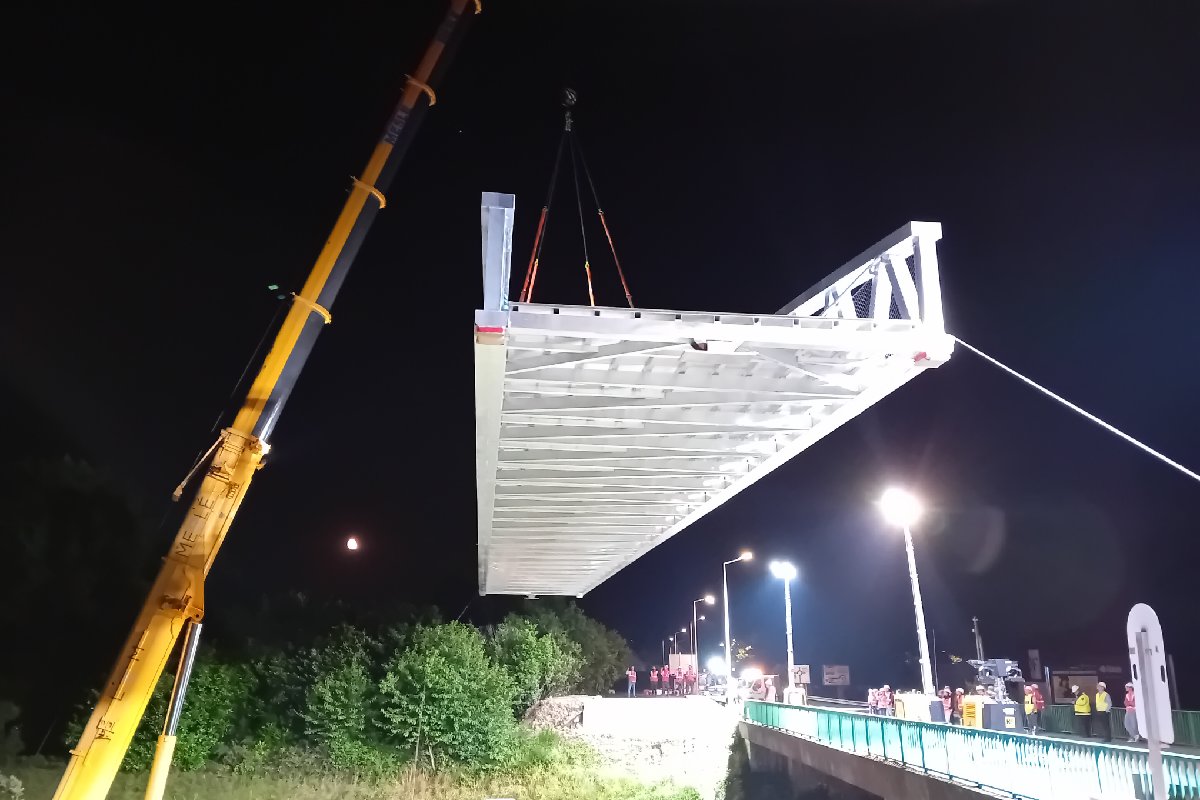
(1061, 719)
(1016, 765)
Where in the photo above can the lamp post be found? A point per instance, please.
(745, 556)
(708, 598)
(696, 638)
(902, 509)
(786, 572)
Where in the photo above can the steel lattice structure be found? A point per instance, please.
(602, 432)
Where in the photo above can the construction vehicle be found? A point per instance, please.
(175, 603)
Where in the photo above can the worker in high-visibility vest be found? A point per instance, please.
(1103, 720)
(1083, 712)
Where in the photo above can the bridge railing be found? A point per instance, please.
(1061, 719)
(1016, 765)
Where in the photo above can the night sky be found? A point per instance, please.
(166, 166)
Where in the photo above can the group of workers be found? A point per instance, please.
(882, 701)
(672, 681)
(952, 704)
(1092, 713)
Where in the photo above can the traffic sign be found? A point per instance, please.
(1148, 664)
(802, 674)
(836, 675)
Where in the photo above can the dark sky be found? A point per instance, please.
(165, 167)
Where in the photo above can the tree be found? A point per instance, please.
(71, 540)
(341, 700)
(606, 654)
(441, 695)
(215, 697)
(540, 664)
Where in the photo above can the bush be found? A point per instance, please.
(443, 696)
(215, 697)
(605, 653)
(11, 744)
(11, 787)
(341, 702)
(539, 664)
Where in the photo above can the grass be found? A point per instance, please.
(550, 769)
(542, 783)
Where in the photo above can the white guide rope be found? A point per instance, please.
(1110, 428)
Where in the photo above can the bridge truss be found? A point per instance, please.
(603, 432)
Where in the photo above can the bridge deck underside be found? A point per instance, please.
(619, 428)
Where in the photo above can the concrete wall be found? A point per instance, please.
(646, 717)
(848, 776)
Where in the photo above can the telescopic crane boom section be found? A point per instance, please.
(176, 599)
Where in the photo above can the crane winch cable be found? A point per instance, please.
(570, 140)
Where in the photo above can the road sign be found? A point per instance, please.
(836, 675)
(1148, 664)
(803, 674)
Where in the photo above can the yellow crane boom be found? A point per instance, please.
(176, 599)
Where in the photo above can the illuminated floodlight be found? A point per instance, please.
(708, 598)
(900, 507)
(351, 543)
(784, 570)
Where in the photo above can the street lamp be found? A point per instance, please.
(708, 598)
(786, 572)
(670, 639)
(903, 509)
(696, 638)
(745, 556)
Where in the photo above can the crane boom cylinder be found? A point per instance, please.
(177, 595)
(165, 748)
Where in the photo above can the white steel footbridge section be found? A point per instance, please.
(602, 432)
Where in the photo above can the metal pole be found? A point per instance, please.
(728, 652)
(1146, 706)
(695, 649)
(933, 645)
(919, 608)
(978, 638)
(787, 609)
(165, 748)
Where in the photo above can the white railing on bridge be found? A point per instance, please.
(1030, 767)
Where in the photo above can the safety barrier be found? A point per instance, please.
(1017, 765)
(1061, 719)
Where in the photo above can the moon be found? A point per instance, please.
(351, 543)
